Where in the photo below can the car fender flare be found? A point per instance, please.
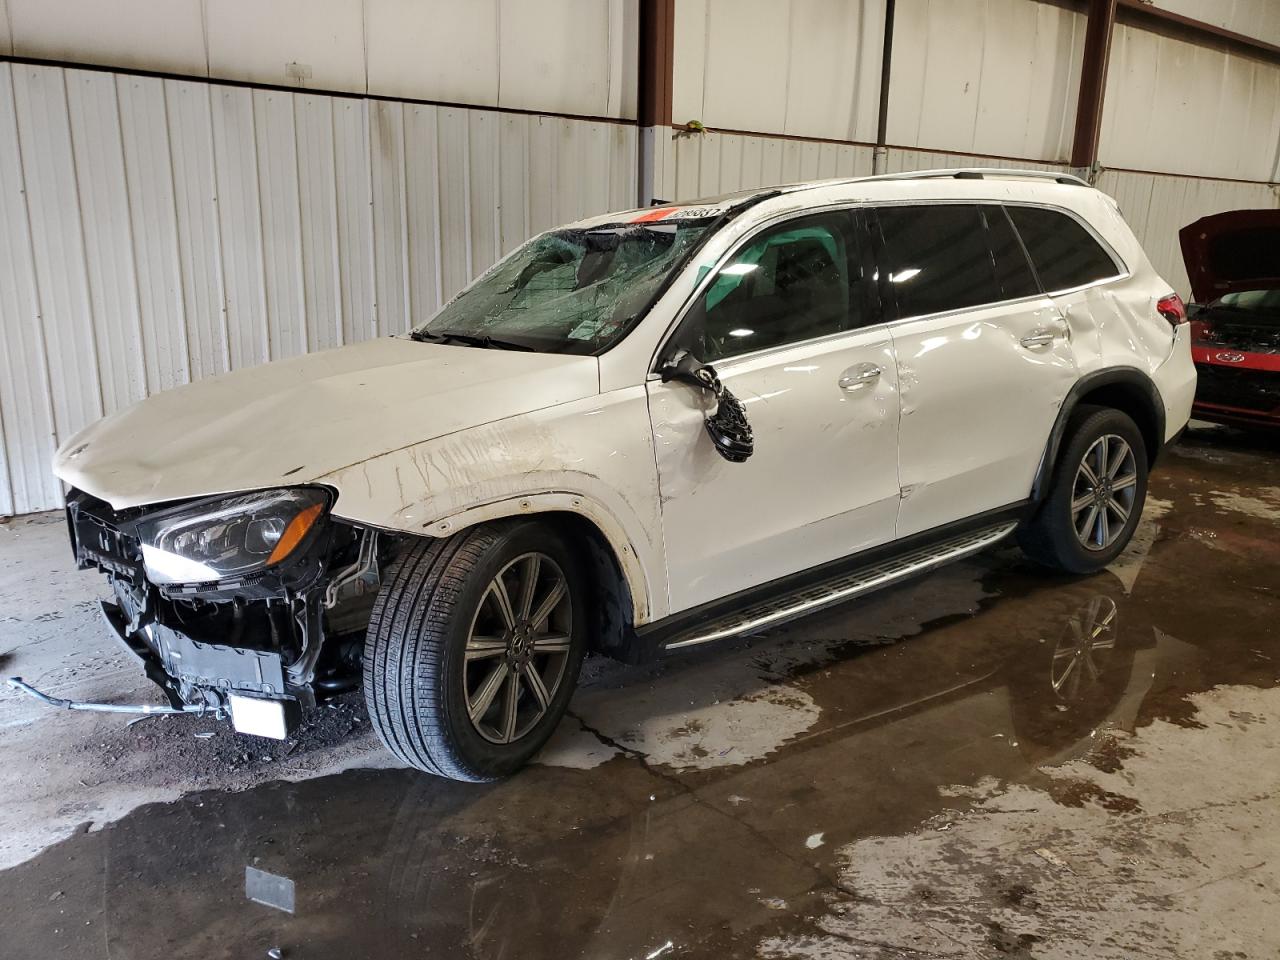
(560, 501)
(1126, 376)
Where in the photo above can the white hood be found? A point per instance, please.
(294, 421)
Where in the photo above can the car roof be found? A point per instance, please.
(904, 185)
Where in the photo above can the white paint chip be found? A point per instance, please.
(815, 841)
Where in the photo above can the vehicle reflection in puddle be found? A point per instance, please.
(1010, 673)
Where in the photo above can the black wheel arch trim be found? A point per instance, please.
(1125, 376)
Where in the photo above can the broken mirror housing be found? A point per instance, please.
(228, 537)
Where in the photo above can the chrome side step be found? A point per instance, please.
(842, 587)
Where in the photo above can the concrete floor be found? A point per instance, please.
(896, 778)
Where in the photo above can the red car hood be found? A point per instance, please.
(1232, 252)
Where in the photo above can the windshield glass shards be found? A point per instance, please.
(569, 291)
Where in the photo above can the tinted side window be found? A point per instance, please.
(1065, 254)
(794, 282)
(1013, 272)
(936, 258)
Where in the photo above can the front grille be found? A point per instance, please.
(1238, 387)
(99, 542)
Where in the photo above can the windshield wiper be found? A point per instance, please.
(470, 339)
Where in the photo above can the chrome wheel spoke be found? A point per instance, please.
(549, 603)
(1086, 471)
(1082, 501)
(528, 584)
(1085, 529)
(1115, 506)
(551, 643)
(510, 706)
(533, 680)
(1104, 529)
(479, 706)
(1118, 457)
(1124, 483)
(478, 648)
(498, 590)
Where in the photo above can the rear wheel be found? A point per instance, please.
(1095, 497)
(473, 649)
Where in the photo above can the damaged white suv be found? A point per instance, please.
(635, 434)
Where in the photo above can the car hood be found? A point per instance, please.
(294, 421)
(1232, 252)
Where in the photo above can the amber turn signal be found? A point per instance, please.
(294, 532)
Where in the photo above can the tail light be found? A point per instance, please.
(1172, 309)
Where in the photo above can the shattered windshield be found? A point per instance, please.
(569, 291)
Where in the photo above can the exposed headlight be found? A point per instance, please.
(229, 536)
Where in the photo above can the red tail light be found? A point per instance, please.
(1172, 309)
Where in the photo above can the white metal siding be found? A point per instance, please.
(561, 56)
(1180, 107)
(155, 231)
(986, 77)
(799, 67)
(1253, 18)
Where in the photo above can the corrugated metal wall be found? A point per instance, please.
(157, 231)
(560, 56)
(1179, 107)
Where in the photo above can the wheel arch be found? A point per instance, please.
(1127, 389)
(617, 573)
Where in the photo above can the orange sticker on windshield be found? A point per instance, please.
(655, 214)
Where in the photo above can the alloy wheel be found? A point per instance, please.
(1104, 491)
(517, 648)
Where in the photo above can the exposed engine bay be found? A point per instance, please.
(253, 600)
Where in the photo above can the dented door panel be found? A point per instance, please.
(977, 405)
(821, 484)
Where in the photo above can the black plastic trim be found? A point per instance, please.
(1128, 376)
(647, 641)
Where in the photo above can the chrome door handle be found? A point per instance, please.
(1041, 338)
(859, 375)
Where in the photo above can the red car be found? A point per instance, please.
(1233, 260)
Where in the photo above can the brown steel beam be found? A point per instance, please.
(657, 39)
(1093, 82)
(1139, 11)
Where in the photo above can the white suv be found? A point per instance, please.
(635, 434)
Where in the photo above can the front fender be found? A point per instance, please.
(592, 458)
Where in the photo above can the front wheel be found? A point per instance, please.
(1095, 497)
(473, 649)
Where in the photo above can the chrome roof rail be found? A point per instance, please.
(980, 173)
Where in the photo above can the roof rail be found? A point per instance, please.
(981, 173)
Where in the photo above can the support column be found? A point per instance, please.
(880, 161)
(1093, 84)
(656, 56)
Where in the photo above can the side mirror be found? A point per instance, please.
(727, 427)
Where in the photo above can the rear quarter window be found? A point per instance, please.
(1064, 253)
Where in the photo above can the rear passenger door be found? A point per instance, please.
(984, 359)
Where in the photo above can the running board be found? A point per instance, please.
(842, 587)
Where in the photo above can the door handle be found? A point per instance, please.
(1041, 338)
(859, 376)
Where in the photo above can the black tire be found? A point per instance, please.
(1050, 537)
(415, 665)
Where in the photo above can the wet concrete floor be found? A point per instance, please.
(989, 762)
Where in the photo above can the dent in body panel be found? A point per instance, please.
(977, 408)
(822, 483)
(592, 457)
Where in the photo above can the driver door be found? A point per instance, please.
(791, 325)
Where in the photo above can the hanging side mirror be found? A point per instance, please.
(727, 425)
